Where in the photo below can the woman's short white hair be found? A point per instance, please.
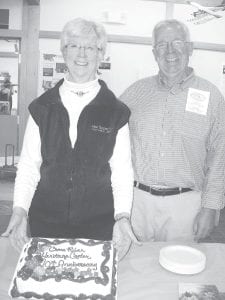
(80, 26)
(166, 23)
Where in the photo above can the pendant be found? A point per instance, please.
(80, 93)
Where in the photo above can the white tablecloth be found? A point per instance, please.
(140, 276)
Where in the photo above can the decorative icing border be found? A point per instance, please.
(46, 296)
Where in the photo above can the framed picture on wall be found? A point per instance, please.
(105, 64)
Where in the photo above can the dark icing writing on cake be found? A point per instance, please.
(75, 262)
(72, 255)
(67, 258)
(69, 249)
(64, 264)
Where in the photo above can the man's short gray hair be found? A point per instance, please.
(80, 26)
(166, 23)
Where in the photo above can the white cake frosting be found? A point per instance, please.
(65, 269)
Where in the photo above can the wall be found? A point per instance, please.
(139, 16)
(209, 65)
(130, 62)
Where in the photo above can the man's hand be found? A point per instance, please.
(17, 228)
(123, 237)
(204, 223)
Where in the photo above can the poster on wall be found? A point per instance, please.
(52, 68)
(205, 14)
(206, 23)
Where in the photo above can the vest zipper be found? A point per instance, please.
(70, 197)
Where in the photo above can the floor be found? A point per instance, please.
(6, 196)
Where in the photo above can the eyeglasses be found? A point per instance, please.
(89, 50)
(176, 44)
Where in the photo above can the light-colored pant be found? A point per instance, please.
(169, 218)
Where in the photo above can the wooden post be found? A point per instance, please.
(28, 82)
(169, 10)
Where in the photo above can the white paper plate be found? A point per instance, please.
(182, 259)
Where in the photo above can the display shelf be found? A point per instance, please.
(11, 33)
(8, 54)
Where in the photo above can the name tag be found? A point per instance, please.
(197, 101)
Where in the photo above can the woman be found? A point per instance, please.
(75, 178)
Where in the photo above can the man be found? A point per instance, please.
(177, 130)
(76, 153)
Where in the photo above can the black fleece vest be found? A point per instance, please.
(75, 183)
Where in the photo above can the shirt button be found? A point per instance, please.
(162, 154)
(164, 133)
(69, 185)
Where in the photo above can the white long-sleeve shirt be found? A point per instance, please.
(28, 174)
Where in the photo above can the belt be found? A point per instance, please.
(161, 191)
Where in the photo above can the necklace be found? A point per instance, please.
(80, 93)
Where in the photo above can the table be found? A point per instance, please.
(140, 276)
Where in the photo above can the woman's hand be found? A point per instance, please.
(17, 228)
(123, 237)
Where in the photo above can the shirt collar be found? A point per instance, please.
(80, 88)
(181, 85)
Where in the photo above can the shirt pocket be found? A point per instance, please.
(194, 126)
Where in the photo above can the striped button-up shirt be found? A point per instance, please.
(174, 147)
